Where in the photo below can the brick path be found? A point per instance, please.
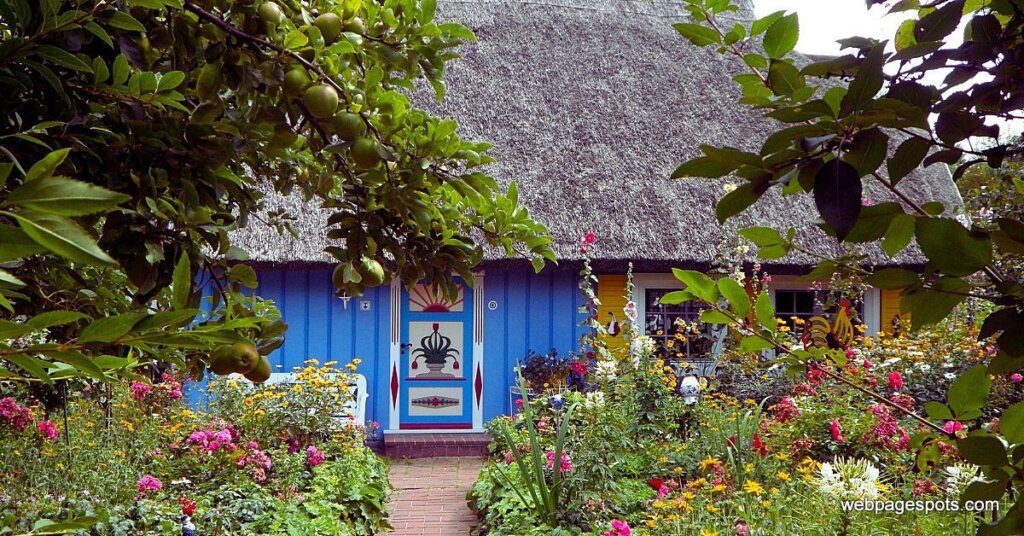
(430, 496)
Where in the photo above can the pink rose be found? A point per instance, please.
(1016, 377)
(952, 427)
(895, 381)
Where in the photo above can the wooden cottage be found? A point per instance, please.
(591, 104)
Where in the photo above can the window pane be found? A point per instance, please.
(804, 302)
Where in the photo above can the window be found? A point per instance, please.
(805, 303)
(661, 322)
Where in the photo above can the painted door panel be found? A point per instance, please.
(436, 357)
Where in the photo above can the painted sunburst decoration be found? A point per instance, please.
(425, 298)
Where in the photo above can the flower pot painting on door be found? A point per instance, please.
(437, 351)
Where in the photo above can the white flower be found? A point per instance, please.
(630, 311)
(924, 367)
(743, 248)
(642, 346)
(729, 187)
(605, 370)
(958, 477)
(594, 400)
(949, 376)
(847, 479)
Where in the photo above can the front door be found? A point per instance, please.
(437, 352)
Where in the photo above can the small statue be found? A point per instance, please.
(187, 528)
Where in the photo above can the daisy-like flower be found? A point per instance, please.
(849, 479)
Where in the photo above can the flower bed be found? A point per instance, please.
(635, 460)
(260, 461)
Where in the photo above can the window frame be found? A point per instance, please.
(872, 299)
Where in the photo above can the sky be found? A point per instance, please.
(818, 21)
(822, 22)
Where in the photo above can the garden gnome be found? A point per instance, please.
(187, 528)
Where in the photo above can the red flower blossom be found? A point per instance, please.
(655, 483)
(837, 433)
(895, 381)
(187, 507)
(759, 446)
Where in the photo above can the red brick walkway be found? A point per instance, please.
(430, 496)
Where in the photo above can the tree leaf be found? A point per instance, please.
(17, 244)
(54, 318)
(181, 282)
(765, 311)
(697, 34)
(753, 343)
(873, 222)
(703, 167)
(936, 25)
(868, 150)
(938, 411)
(899, 234)
(781, 36)
(866, 84)
(952, 248)
(928, 306)
(711, 316)
(1011, 424)
(736, 294)
(970, 390)
(123, 21)
(60, 57)
(110, 328)
(48, 164)
(893, 278)
(65, 197)
(31, 365)
(61, 236)
(907, 158)
(983, 450)
(739, 199)
(697, 283)
(244, 275)
(837, 194)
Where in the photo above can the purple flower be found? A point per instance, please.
(1016, 377)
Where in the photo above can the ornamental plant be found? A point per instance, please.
(879, 125)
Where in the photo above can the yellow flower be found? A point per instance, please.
(711, 508)
(718, 488)
(753, 488)
(706, 532)
(709, 462)
(663, 459)
(678, 470)
(783, 476)
(773, 490)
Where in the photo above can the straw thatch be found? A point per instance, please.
(591, 104)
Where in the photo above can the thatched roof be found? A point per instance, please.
(591, 104)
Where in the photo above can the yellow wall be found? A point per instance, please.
(611, 291)
(890, 308)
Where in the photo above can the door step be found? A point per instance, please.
(428, 445)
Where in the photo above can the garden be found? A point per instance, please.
(606, 445)
(134, 457)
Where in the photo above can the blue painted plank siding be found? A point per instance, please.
(534, 312)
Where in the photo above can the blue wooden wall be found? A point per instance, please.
(534, 312)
